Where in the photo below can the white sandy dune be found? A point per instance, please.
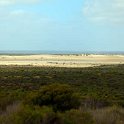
(62, 60)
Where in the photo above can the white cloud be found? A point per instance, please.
(9, 11)
(105, 10)
(19, 15)
(11, 2)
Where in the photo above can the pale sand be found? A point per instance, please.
(62, 60)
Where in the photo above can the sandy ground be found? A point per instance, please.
(62, 60)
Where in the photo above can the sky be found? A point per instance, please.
(62, 25)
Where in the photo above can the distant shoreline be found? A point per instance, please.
(61, 52)
(61, 60)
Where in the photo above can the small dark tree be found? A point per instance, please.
(60, 96)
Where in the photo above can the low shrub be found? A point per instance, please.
(60, 96)
(26, 114)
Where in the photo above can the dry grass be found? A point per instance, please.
(4, 115)
(113, 115)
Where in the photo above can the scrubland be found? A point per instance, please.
(51, 95)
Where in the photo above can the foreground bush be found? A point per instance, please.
(26, 114)
(44, 115)
(30, 115)
(60, 97)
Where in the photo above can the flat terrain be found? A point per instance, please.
(101, 91)
(102, 83)
(62, 60)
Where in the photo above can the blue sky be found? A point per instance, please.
(71, 25)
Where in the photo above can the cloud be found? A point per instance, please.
(8, 9)
(104, 10)
(7, 15)
(12, 2)
(20, 16)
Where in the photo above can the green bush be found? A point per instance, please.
(26, 114)
(61, 97)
